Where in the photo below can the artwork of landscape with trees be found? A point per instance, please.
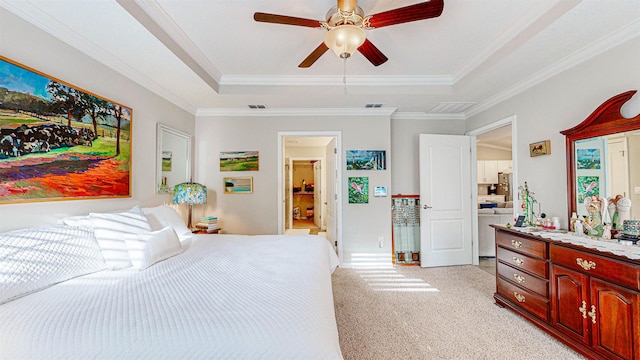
(59, 142)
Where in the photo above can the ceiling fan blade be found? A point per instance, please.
(286, 20)
(315, 55)
(347, 5)
(371, 52)
(421, 11)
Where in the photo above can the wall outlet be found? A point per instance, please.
(380, 241)
(637, 190)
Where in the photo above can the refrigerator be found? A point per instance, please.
(504, 186)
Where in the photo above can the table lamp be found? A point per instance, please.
(190, 193)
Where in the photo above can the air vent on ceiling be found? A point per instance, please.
(373, 106)
(258, 106)
(452, 107)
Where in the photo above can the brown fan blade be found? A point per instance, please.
(315, 55)
(286, 20)
(375, 56)
(347, 5)
(421, 11)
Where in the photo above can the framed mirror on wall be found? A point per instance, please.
(173, 158)
(603, 153)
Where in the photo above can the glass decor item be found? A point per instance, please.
(528, 202)
(190, 193)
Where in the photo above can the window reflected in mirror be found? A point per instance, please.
(173, 158)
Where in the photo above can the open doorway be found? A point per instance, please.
(496, 181)
(306, 204)
(309, 184)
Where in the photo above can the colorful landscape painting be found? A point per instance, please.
(166, 160)
(239, 161)
(588, 159)
(58, 142)
(238, 185)
(358, 190)
(366, 160)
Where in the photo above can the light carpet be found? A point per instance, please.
(434, 313)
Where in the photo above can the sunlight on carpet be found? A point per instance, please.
(392, 280)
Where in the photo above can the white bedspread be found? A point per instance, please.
(225, 297)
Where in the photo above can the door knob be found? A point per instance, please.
(426, 207)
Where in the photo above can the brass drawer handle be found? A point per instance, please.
(519, 279)
(583, 309)
(585, 264)
(516, 244)
(518, 261)
(592, 314)
(519, 297)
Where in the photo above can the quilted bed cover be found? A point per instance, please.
(225, 297)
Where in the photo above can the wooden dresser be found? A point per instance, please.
(587, 298)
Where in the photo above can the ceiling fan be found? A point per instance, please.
(346, 23)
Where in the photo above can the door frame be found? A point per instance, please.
(510, 120)
(338, 166)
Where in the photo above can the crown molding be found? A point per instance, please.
(155, 19)
(295, 112)
(535, 19)
(353, 80)
(55, 28)
(615, 39)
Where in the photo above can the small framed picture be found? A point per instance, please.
(540, 148)
(238, 185)
(380, 191)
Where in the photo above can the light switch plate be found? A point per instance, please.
(637, 190)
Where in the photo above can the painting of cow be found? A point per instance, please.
(59, 142)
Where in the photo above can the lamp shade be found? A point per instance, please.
(344, 40)
(190, 194)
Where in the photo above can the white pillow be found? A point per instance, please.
(35, 258)
(161, 216)
(146, 249)
(110, 229)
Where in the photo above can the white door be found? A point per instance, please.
(330, 188)
(445, 199)
(618, 168)
(317, 193)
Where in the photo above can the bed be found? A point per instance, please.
(219, 296)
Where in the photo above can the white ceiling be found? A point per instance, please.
(211, 57)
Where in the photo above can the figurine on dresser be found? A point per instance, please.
(619, 210)
(624, 211)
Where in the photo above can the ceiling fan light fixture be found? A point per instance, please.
(344, 40)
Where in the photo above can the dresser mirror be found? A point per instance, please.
(603, 153)
(173, 164)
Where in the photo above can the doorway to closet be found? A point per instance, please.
(309, 184)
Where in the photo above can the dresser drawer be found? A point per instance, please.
(523, 262)
(609, 269)
(526, 280)
(527, 300)
(535, 248)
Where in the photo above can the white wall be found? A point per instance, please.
(558, 104)
(28, 45)
(257, 213)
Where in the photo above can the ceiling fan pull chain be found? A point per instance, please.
(344, 76)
